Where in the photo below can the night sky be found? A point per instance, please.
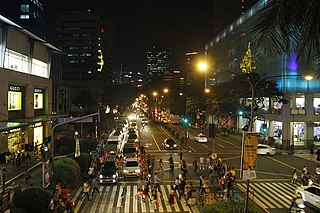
(179, 25)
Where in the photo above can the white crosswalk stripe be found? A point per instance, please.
(110, 200)
(270, 195)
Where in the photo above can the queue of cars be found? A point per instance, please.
(123, 143)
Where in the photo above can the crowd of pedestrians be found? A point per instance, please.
(306, 178)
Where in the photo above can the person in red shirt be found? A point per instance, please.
(65, 194)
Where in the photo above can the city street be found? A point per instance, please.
(272, 190)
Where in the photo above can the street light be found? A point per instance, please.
(203, 66)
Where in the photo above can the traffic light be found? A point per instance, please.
(240, 112)
(185, 120)
(264, 128)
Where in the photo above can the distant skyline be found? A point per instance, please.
(179, 25)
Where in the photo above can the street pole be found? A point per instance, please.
(247, 197)
(66, 122)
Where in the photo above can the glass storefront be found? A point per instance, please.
(38, 135)
(14, 143)
(316, 133)
(277, 132)
(298, 134)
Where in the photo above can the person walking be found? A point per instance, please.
(294, 177)
(182, 186)
(195, 164)
(86, 189)
(171, 196)
(27, 177)
(201, 161)
(161, 164)
(145, 193)
(180, 154)
(156, 181)
(124, 189)
(58, 189)
(318, 154)
(201, 185)
(318, 174)
(312, 151)
(95, 186)
(155, 199)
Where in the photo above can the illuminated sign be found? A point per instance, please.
(38, 98)
(100, 62)
(14, 100)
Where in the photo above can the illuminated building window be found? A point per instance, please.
(24, 8)
(16, 61)
(24, 17)
(39, 68)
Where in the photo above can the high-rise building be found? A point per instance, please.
(295, 124)
(159, 62)
(225, 11)
(87, 41)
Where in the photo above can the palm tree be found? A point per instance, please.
(289, 26)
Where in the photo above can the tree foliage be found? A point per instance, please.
(33, 200)
(283, 26)
(67, 171)
(228, 207)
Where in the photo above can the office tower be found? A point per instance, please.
(159, 63)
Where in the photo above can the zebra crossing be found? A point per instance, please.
(270, 194)
(110, 200)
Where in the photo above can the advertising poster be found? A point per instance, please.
(45, 174)
(14, 100)
(77, 152)
(38, 101)
(249, 156)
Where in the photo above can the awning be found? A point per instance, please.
(5, 126)
(38, 118)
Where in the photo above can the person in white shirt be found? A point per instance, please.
(156, 181)
(201, 160)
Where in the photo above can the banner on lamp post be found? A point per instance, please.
(77, 152)
(249, 156)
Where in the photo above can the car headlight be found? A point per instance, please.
(125, 171)
(175, 145)
(137, 171)
(114, 176)
(100, 176)
(167, 145)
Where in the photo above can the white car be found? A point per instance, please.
(201, 138)
(264, 149)
(131, 168)
(310, 195)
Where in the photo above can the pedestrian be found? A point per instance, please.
(86, 189)
(156, 181)
(27, 177)
(23, 159)
(180, 154)
(176, 183)
(146, 192)
(182, 186)
(58, 189)
(312, 151)
(161, 164)
(202, 190)
(155, 199)
(28, 157)
(95, 186)
(124, 189)
(171, 196)
(294, 177)
(69, 206)
(201, 161)
(318, 154)
(318, 174)
(305, 169)
(65, 194)
(188, 193)
(195, 164)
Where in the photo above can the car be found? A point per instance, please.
(169, 143)
(264, 149)
(310, 194)
(129, 151)
(144, 121)
(201, 138)
(131, 168)
(108, 172)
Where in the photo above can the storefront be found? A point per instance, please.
(277, 131)
(38, 135)
(316, 133)
(298, 134)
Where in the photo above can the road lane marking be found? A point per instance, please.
(287, 165)
(229, 143)
(205, 145)
(221, 146)
(155, 141)
(192, 148)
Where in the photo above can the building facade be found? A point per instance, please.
(295, 124)
(159, 62)
(26, 89)
(87, 63)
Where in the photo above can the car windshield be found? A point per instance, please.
(170, 142)
(132, 136)
(132, 164)
(108, 166)
(129, 150)
(202, 136)
(112, 142)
